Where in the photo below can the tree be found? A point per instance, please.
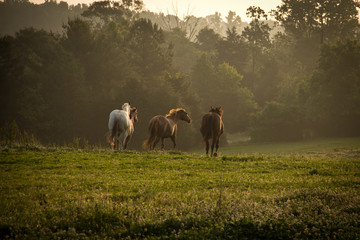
(257, 33)
(311, 23)
(277, 122)
(221, 85)
(325, 19)
(207, 39)
(215, 22)
(50, 15)
(233, 50)
(44, 85)
(151, 55)
(185, 52)
(233, 20)
(334, 90)
(112, 10)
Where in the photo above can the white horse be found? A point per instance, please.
(121, 126)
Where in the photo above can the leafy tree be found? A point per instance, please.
(50, 15)
(334, 90)
(221, 85)
(108, 11)
(215, 22)
(257, 33)
(327, 19)
(184, 51)
(44, 85)
(277, 122)
(312, 22)
(207, 39)
(151, 55)
(233, 50)
(233, 21)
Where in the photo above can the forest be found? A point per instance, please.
(290, 74)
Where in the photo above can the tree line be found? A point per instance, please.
(299, 83)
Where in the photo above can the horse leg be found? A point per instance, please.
(212, 146)
(126, 141)
(207, 147)
(217, 146)
(157, 139)
(122, 139)
(112, 143)
(173, 138)
(116, 146)
(162, 143)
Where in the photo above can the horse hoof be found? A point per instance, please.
(215, 154)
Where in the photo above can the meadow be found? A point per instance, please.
(69, 193)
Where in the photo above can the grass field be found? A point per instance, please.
(98, 194)
(318, 145)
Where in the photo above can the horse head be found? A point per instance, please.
(183, 115)
(134, 114)
(179, 113)
(217, 110)
(126, 107)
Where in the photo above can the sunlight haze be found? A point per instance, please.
(199, 8)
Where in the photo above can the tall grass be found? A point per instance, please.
(12, 136)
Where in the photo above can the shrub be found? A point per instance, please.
(277, 121)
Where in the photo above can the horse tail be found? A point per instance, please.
(206, 127)
(113, 128)
(112, 134)
(108, 137)
(153, 128)
(210, 130)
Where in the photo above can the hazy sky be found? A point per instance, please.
(199, 8)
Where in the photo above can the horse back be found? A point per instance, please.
(211, 126)
(120, 120)
(161, 126)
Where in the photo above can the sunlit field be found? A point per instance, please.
(319, 145)
(75, 193)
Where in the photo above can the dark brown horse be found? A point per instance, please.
(161, 127)
(212, 127)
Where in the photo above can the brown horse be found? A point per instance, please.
(212, 126)
(161, 127)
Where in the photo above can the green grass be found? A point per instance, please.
(101, 194)
(318, 145)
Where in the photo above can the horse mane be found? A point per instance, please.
(133, 111)
(217, 110)
(172, 112)
(126, 107)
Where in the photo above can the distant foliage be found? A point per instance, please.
(277, 121)
(50, 15)
(334, 90)
(61, 84)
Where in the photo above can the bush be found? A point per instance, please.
(277, 122)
